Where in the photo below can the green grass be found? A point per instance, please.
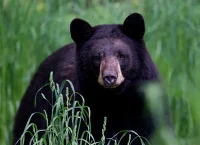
(67, 119)
(30, 31)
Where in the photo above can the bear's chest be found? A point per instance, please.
(113, 106)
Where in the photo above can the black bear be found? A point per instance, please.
(106, 64)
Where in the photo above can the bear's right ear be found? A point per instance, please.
(80, 31)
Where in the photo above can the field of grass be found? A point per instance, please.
(30, 31)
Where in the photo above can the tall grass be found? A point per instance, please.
(30, 31)
(69, 122)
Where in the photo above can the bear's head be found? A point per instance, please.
(112, 54)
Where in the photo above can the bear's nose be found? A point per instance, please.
(109, 80)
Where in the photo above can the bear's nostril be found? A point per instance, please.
(109, 80)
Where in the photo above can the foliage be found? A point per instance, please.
(32, 30)
(69, 122)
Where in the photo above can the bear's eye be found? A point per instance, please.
(120, 56)
(97, 57)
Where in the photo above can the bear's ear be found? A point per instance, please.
(134, 26)
(80, 31)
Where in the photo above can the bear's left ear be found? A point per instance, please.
(134, 26)
(80, 31)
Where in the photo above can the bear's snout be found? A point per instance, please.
(110, 75)
(109, 80)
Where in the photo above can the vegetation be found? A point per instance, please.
(30, 31)
(67, 120)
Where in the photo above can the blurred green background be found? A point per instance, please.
(31, 30)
